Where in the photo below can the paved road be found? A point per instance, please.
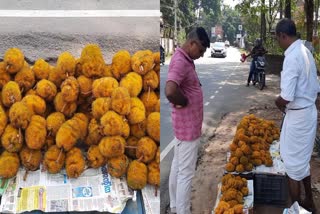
(223, 81)
(79, 5)
(48, 37)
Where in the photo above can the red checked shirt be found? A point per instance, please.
(186, 121)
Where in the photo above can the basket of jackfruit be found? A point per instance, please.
(82, 113)
(251, 145)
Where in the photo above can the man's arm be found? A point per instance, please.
(174, 94)
(281, 103)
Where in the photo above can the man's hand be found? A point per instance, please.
(281, 103)
(175, 96)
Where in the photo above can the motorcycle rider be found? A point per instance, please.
(257, 50)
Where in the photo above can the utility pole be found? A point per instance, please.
(175, 25)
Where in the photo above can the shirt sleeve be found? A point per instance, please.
(177, 72)
(289, 78)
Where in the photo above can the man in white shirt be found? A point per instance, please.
(299, 90)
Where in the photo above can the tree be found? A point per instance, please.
(308, 8)
(230, 21)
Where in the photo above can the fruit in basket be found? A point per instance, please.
(85, 85)
(9, 164)
(19, 115)
(3, 120)
(36, 104)
(146, 149)
(94, 157)
(104, 87)
(222, 207)
(232, 203)
(240, 168)
(233, 147)
(71, 131)
(91, 61)
(245, 149)
(100, 106)
(132, 143)
(230, 167)
(25, 78)
(66, 65)
(268, 162)
(54, 122)
(238, 209)
(10, 93)
(120, 101)
(75, 163)
(150, 100)
(12, 139)
(133, 82)
(94, 136)
(234, 160)
(245, 191)
(14, 59)
(36, 132)
(121, 64)
(4, 75)
(41, 69)
(248, 167)
(46, 89)
(150, 81)
(137, 175)
(55, 77)
(244, 160)
(70, 89)
(54, 159)
(30, 158)
(139, 129)
(256, 162)
(112, 146)
(68, 109)
(153, 126)
(117, 166)
(142, 61)
(238, 153)
(112, 124)
(138, 111)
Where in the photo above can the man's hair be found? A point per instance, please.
(200, 34)
(286, 26)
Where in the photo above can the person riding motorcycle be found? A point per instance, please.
(258, 50)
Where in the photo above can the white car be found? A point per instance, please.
(218, 49)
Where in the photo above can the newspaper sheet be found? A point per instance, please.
(94, 190)
(248, 200)
(151, 202)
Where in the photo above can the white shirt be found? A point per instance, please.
(299, 81)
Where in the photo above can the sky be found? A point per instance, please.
(231, 3)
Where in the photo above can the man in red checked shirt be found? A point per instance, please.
(183, 90)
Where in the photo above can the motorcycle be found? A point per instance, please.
(259, 75)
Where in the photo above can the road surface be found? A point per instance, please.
(70, 28)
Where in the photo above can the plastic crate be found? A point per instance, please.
(270, 189)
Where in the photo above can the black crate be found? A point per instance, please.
(270, 189)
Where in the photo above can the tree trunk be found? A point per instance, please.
(316, 18)
(308, 8)
(287, 11)
(263, 22)
(281, 9)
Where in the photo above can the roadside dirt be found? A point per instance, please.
(212, 157)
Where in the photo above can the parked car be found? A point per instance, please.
(227, 43)
(218, 49)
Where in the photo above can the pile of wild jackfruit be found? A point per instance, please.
(250, 146)
(234, 189)
(82, 113)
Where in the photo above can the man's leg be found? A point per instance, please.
(308, 201)
(173, 177)
(188, 153)
(294, 189)
(251, 72)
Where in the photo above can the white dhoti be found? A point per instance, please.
(297, 140)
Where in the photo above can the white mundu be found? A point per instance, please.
(300, 86)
